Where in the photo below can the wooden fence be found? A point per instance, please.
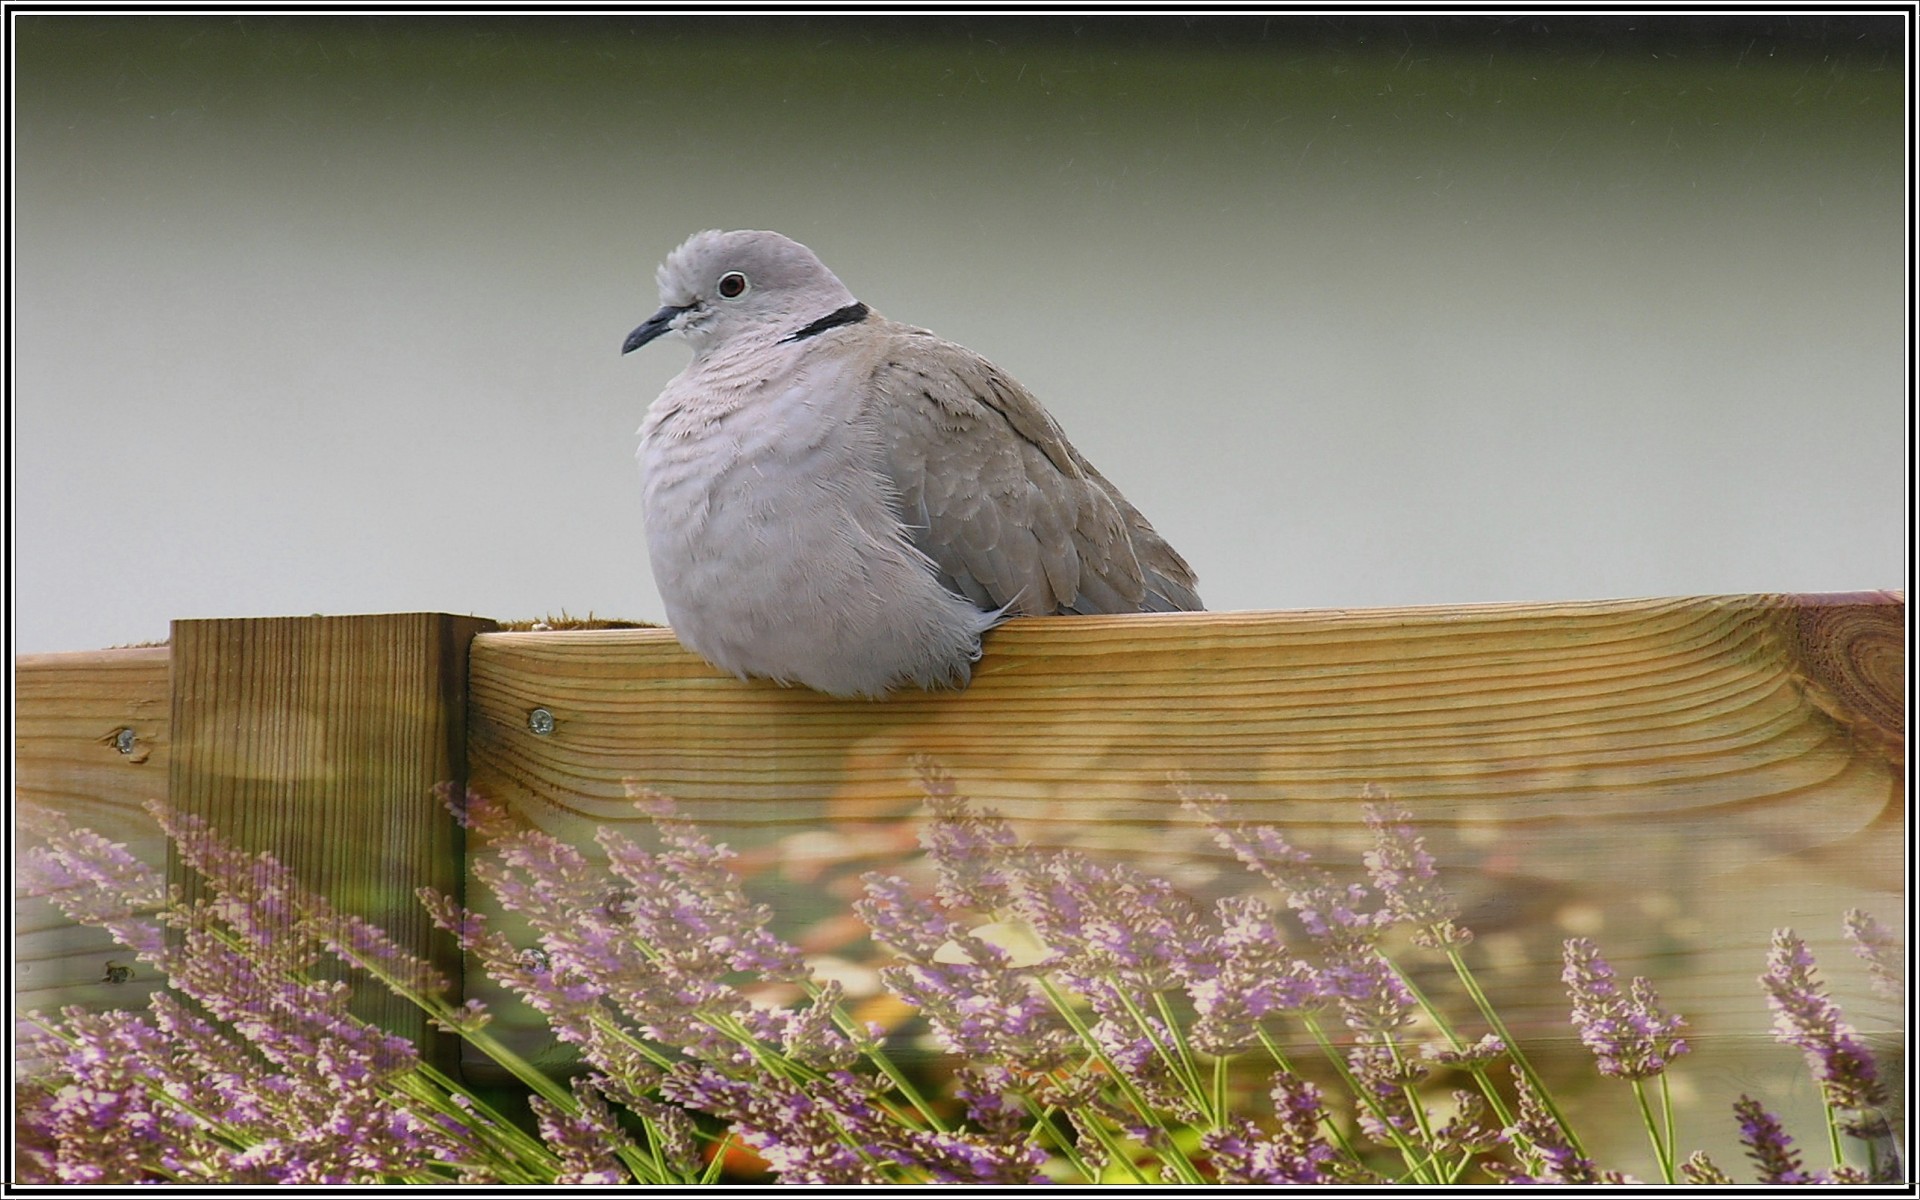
(1673, 777)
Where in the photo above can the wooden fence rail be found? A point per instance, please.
(1674, 777)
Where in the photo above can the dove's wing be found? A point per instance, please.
(992, 492)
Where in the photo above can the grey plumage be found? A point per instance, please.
(846, 502)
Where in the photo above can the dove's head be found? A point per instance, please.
(719, 286)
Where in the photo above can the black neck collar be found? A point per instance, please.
(833, 320)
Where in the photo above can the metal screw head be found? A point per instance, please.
(540, 720)
(123, 739)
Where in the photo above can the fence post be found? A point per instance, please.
(320, 739)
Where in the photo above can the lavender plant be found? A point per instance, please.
(265, 1077)
(1631, 1037)
(1103, 1023)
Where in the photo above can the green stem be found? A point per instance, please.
(1069, 1150)
(1115, 1151)
(1178, 1058)
(1666, 1115)
(1661, 1153)
(1500, 1030)
(774, 1062)
(1414, 1106)
(1414, 1155)
(1219, 1090)
(718, 1162)
(878, 1057)
(510, 1144)
(1482, 1078)
(1334, 1131)
(1173, 1155)
(1833, 1134)
(643, 1166)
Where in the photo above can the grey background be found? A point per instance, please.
(324, 315)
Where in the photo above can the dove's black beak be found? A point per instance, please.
(655, 325)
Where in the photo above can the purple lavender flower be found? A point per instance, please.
(1542, 1145)
(718, 924)
(1383, 1081)
(1119, 938)
(1768, 1145)
(481, 815)
(1484, 1051)
(1242, 974)
(177, 1098)
(1260, 848)
(992, 1094)
(285, 922)
(92, 1120)
(1374, 1001)
(974, 854)
(1630, 1035)
(93, 880)
(569, 1010)
(585, 1139)
(1106, 932)
(1699, 1169)
(1805, 1017)
(291, 1058)
(982, 1008)
(1109, 925)
(832, 1129)
(635, 963)
(1466, 1133)
(96, 882)
(656, 963)
(1403, 874)
(806, 1035)
(1293, 1153)
(1882, 951)
(282, 1085)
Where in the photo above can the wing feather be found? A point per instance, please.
(993, 493)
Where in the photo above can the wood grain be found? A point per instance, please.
(321, 739)
(1674, 777)
(1850, 654)
(70, 711)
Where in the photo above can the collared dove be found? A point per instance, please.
(842, 501)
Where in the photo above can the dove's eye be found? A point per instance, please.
(732, 286)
